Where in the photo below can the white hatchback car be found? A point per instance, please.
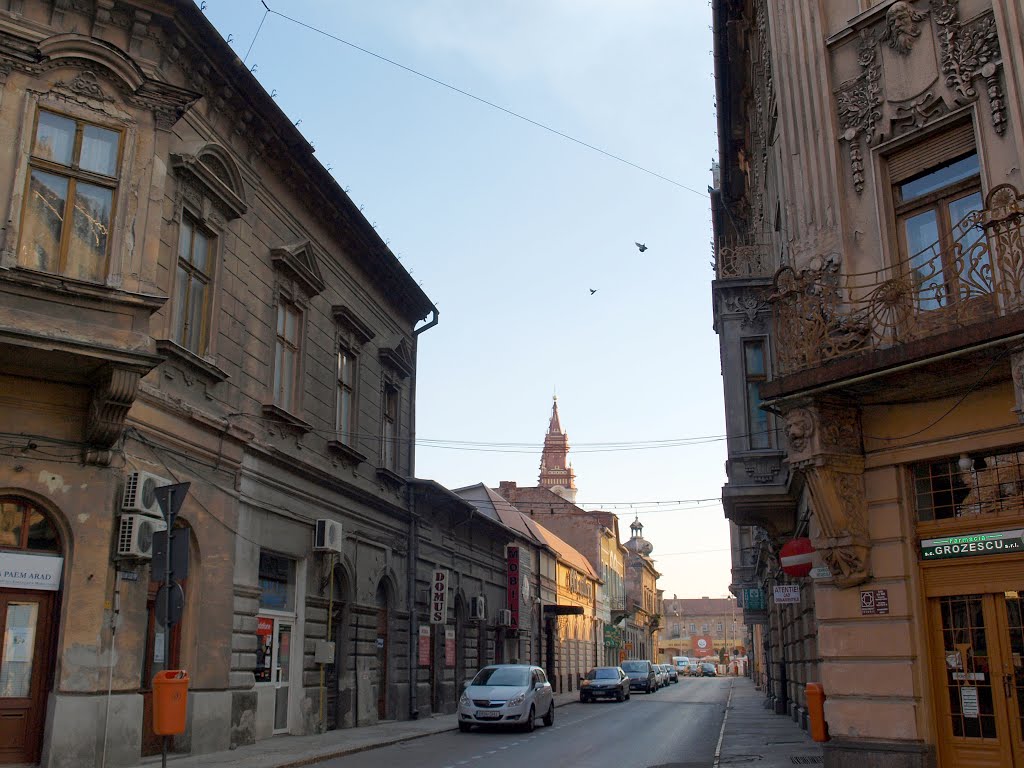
(509, 695)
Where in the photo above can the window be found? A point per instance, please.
(719, 629)
(703, 629)
(277, 582)
(23, 526)
(759, 434)
(286, 354)
(389, 429)
(69, 203)
(976, 487)
(345, 411)
(936, 185)
(192, 291)
(693, 629)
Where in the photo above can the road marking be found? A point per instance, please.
(721, 734)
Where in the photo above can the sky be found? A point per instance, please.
(510, 229)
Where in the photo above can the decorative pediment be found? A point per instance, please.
(399, 357)
(216, 173)
(909, 65)
(350, 322)
(299, 261)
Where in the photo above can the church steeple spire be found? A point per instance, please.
(555, 471)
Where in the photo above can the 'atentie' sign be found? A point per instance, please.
(973, 544)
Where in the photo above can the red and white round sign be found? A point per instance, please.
(702, 643)
(796, 557)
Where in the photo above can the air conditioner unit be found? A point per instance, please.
(135, 536)
(504, 617)
(140, 494)
(478, 608)
(327, 536)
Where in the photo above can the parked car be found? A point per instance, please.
(673, 675)
(680, 663)
(707, 669)
(693, 669)
(659, 675)
(642, 676)
(604, 683)
(507, 695)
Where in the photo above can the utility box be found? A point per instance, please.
(170, 702)
(323, 653)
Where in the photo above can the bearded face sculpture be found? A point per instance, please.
(901, 27)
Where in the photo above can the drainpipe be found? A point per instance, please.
(413, 556)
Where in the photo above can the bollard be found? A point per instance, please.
(816, 711)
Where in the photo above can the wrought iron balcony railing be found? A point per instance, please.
(738, 261)
(821, 314)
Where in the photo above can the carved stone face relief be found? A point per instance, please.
(901, 27)
(799, 429)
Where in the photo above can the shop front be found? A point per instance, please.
(31, 566)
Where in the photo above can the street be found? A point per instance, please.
(677, 726)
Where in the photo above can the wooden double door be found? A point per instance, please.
(26, 662)
(977, 664)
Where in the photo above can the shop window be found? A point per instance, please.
(277, 582)
(70, 196)
(975, 486)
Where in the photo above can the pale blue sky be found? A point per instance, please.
(508, 227)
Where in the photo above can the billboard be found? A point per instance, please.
(702, 645)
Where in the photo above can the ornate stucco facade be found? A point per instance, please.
(868, 239)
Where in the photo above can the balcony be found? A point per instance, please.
(951, 296)
(742, 261)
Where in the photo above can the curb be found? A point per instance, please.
(376, 745)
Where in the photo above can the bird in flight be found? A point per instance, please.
(641, 246)
(593, 291)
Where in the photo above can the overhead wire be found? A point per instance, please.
(470, 95)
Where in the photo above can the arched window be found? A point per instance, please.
(24, 526)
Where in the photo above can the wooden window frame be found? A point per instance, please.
(749, 378)
(293, 402)
(73, 174)
(213, 258)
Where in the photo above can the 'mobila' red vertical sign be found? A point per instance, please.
(512, 587)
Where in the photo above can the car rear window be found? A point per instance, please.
(634, 666)
(603, 673)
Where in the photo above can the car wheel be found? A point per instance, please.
(464, 727)
(549, 718)
(583, 699)
(529, 725)
(627, 695)
(620, 696)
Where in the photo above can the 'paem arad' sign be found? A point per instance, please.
(512, 585)
(973, 544)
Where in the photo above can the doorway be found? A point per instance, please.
(28, 626)
(382, 651)
(273, 662)
(977, 654)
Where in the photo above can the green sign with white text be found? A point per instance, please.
(973, 545)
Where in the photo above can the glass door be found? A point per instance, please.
(24, 659)
(1012, 668)
(282, 665)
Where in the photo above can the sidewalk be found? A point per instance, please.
(753, 734)
(289, 751)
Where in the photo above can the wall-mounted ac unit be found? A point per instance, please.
(327, 536)
(504, 617)
(140, 494)
(478, 608)
(135, 536)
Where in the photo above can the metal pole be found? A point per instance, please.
(167, 607)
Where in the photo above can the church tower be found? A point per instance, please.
(556, 474)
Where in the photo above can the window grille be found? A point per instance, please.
(970, 486)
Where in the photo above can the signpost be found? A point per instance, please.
(170, 498)
(796, 557)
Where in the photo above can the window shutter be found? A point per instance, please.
(931, 152)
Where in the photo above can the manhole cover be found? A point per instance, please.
(813, 760)
(739, 759)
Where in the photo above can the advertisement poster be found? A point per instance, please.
(264, 648)
(423, 645)
(702, 645)
(449, 647)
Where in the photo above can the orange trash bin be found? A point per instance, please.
(170, 701)
(816, 711)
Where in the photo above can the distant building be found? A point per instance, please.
(698, 628)
(556, 473)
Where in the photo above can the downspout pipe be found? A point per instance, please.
(413, 558)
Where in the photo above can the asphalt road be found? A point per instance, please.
(677, 727)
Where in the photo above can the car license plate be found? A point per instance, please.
(487, 715)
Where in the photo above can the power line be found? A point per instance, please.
(473, 96)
